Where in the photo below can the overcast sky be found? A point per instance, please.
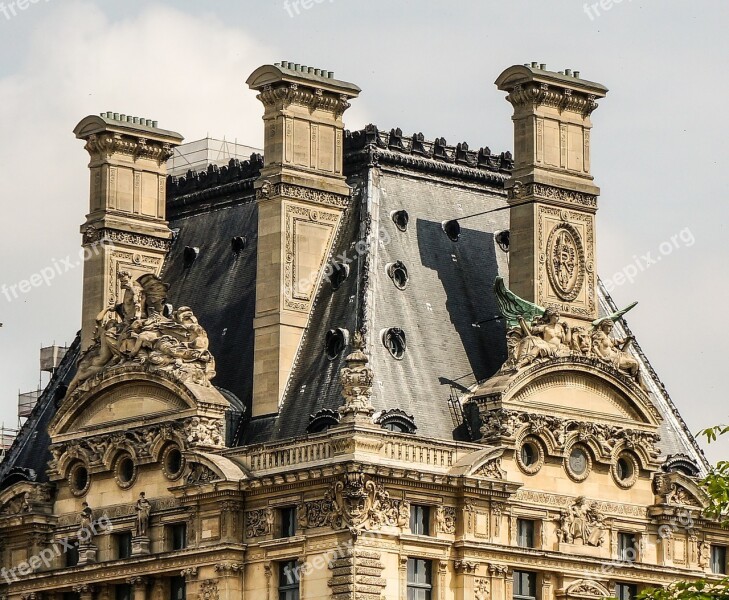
(658, 138)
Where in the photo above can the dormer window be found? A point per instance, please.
(322, 420)
(397, 421)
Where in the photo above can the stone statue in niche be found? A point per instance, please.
(143, 510)
(87, 516)
(143, 331)
(537, 334)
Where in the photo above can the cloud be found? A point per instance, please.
(187, 72)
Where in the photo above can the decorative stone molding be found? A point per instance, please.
(584, 524)
(357, 573)
(297, 192)
(209, 590)
(142, 444)
(356, 378)
(107, 144)
(445, 519)
(491, 469)
(92, 235)
(482, 589)
(226, 568)
(541, 94)
(259, 523)
(465, 566)
(540, 191)
(558, 434)
(355, 503)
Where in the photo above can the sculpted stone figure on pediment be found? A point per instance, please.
(143, 331)
(537, 334)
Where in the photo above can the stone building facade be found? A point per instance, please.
(367, 366)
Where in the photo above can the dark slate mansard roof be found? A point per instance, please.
(449, 291)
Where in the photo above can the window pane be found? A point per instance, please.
(626, 591)
(177, 588)
(526, 533)
(179, 536)
(420, 520)
(123, 592)
(718, 559)
(525, 584)
(124, 545)
(288, 521)
(419, 579)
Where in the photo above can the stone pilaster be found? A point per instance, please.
(466, 583)
(301, 197)
(230, 580)
(126, 227)
(139, 587)
(497, 576)
(357, 573)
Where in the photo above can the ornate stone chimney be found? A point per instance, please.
(552, 194)
(301, 196)
(125, 229)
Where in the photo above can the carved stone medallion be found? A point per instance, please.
(565, 261)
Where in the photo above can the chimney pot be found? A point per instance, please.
(576, 74)
(568, 72)
(543, 66)
(535, 65)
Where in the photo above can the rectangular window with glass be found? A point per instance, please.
(123, 543)
(525, 533)
(177, 588)
(288, 521)
(718, 560)
(626, 591)
(525, 585)
(177, 536)
(420, 579)
(123, 592)
(419, 519)
(626, 547)
(288, 580)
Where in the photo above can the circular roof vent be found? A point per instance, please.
(189, 255)
(401, 218)
(398, 272)
(238, 243)
(452, 229)
(395, 342)
(335, 342)
(340, 272)
(502, 239)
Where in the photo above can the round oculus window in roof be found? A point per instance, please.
(340, 272)
(334, 343)
(395, 342)
(452, 229)
(398, 272)
(401, 219)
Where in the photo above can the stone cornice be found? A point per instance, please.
(281, 96)
(534, 94)
(554, 195)
(150, 565)
(103, 145)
